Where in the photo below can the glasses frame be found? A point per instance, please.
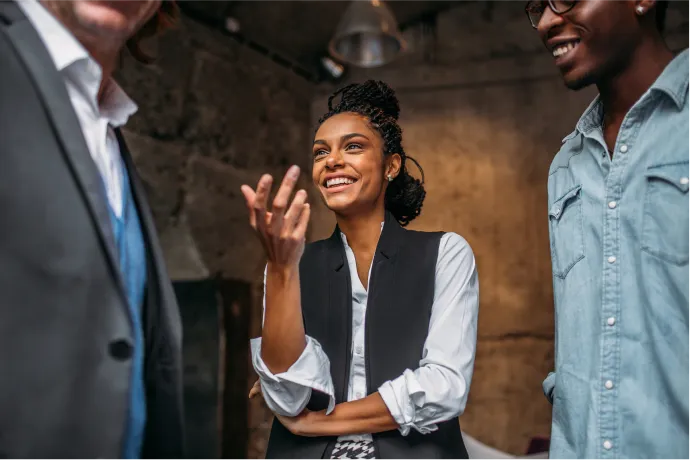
(552, 7)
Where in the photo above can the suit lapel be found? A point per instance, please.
(137, 188)
(51, 87)
(155, 273)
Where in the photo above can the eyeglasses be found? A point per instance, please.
(535, 10)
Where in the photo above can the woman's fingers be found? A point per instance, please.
(293, 214)
(280, 202)
(276, 228)
(256, 389)
(249, 197)
(303, 222)
(263, 189)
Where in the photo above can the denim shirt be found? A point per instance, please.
(618, 229)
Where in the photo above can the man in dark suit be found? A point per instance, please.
(90, 335)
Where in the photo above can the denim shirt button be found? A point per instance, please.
(607, 445)
(611, 321)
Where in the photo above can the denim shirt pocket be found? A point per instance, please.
(665, 218)
(567, 239)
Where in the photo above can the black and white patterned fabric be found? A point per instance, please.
(353, 449)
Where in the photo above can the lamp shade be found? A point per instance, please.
(367, 35)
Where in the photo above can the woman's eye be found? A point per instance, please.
(353, 147)
(320, 152)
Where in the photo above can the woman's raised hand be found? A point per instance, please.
(281, 230)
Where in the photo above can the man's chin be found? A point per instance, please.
(104, 19)
(575, 82)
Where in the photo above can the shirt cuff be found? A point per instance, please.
(288, 393)
(404, 396)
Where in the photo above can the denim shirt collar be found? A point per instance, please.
(673, 82)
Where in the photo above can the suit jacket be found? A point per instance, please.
(65, 332)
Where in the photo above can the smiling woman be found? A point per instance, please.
(361, 132)
(369, 336)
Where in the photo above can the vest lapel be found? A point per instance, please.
(339, 314)
(383, 271)
(51, 87)
(381, 288)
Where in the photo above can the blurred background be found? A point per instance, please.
(235, 92)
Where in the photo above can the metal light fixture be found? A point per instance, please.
(367, 35)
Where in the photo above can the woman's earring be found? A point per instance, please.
(390, 178)
(640, 10)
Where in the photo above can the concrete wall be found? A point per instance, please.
(484, 112)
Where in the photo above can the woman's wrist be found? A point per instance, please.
(282, 272)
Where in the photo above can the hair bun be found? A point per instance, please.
(374, 93)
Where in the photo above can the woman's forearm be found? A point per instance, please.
(283, 339)
(368, 415)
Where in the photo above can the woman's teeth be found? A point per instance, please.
(560, 50)
(339, 181)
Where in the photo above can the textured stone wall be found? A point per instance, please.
(212, 116)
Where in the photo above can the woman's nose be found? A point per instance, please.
(334, 159)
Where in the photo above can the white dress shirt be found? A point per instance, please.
(82, 76)
(419, 398)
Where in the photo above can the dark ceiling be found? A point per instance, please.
(297, 31)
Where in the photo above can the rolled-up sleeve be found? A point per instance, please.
(288, 393)
(437, 390)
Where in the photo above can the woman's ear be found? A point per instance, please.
(393, 165)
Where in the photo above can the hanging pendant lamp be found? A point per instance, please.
(367, 35)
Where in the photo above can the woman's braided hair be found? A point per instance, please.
(376, 101)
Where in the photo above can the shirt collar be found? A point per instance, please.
(116, 105)
(65, 51)
(344, 238)
(673, 82)
(592, 117)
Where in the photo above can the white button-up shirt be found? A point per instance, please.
(419, 398)
(82, 76)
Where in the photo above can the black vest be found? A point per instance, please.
(401, 293)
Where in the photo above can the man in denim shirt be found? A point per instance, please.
(618, 221)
